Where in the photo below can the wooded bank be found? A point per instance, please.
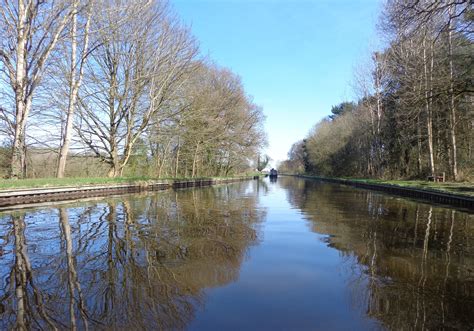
(412, 115)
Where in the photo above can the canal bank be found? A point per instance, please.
(458, 200)
(12, 197)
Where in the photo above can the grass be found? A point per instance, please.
(54, 182)
(6, 184)
(460, 188)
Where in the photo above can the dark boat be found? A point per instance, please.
(273, 173)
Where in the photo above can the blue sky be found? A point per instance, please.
(296, 58)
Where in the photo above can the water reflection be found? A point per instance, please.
(411, 263)
(175, 260)
(134, 261)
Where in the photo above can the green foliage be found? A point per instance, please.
(5, 156)
(341, 109)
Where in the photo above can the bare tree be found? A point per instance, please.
(223, 125)
(131, 77)
(30, 31)
(76, 72)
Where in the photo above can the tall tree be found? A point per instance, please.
(31, 30)
(79, 42)
(143, 58)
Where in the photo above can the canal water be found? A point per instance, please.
(293, 254)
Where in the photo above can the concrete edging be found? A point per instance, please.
(10, 198)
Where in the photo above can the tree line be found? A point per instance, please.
(414, 116)
(121, 83)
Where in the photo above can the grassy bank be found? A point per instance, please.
(6, 184)
(459, 188)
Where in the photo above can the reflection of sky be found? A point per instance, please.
(296, 57)
(292, 280)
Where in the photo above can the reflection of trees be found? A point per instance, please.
(140, 261)
(262, 187)
(412, 262)
(73, 282)
(20, 294)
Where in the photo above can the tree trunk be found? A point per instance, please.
(418, 134)
(115, 170)
(22, 102)
(18, 161)
(429, 112)
(378, 96)
(451, 95)
(163, 159)
(194, 160)
(469, 141)
(74, 85)
(115, 167)
(72, 98)
(177, 161)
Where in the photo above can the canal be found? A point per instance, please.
(293, 254)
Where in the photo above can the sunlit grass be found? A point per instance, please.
(53, 182)
(6, 184)
(461, 188)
